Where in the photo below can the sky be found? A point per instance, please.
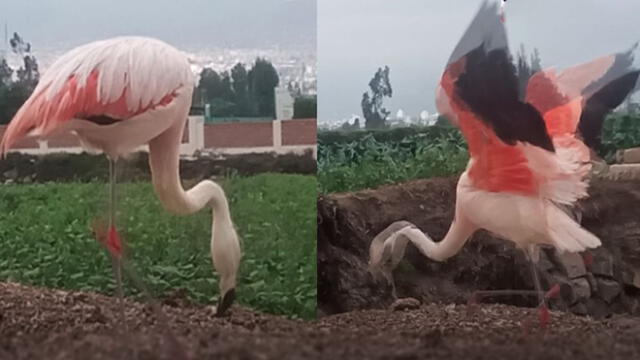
(213, 23)
(416, 37)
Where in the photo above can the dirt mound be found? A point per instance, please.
(22, 168)
(348, 222)
(50, 324)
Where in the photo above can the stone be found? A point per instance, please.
(624, 172)
(636, 278)
(598, 308)
(405, 304)
(579, 309)
(580, 288)
(573, 265)
(593, 282)
(630, 156)
(602, 264)
(11, 174)
(608, 289)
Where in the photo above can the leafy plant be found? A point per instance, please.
(46, 240)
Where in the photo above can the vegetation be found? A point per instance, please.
(305, 107)
(356, 160)
(374, 158)
(14, 90)
(46, 240)
(374, 112)
(241, 92)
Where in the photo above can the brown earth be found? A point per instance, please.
(347, 223)
(52, 324)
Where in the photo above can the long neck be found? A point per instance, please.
(391, 247)
(458, 234)
(164, 162)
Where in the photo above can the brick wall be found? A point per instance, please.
(232, 135)
(238, 135)
(299, 132)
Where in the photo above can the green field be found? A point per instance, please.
(349, 161)
(46, 240)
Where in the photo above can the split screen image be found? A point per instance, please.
(320, 179)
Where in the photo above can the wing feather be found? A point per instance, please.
(119, 77)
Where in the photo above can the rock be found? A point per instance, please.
(573, 265)
(602, 263)
(624, 172)
(629, 156)
(581, 288)
(608, 289)
(636, 278)
(11, 174)
(598, 308)
(579, 309)
(593, 282)
(544, 263)
(405, 304)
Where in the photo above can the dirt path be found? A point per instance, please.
(49, 324)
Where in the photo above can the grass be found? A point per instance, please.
(350, 161)
(368, 162)
(46, 240)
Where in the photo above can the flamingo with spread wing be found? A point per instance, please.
(529, 153)
(117, 95)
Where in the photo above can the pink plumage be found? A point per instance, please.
(120, 78)
(529, 159)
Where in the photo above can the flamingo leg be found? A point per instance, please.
(114, 239)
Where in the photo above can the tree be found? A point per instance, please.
(305, 107)
(380, 87)
(28, 74)
(14, 93)
(526, 68)
(239, 92)
(263, 79)
(210, 85)
(240, 84)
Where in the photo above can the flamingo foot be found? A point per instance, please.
(544, 316)
(553, 292)
(225, 302)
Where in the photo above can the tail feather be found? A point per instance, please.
(566, 234)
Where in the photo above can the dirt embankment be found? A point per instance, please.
(348, 222)
(22, 168)
(52, 324)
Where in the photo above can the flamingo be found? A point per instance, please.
(530, 153)
(119, 94)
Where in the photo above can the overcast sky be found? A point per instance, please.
(214, 23)
(416, 37)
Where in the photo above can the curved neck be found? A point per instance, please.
(164, 159)
(164, 162)
(459, 231)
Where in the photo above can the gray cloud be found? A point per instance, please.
(223, 23)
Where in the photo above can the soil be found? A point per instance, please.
(347, 223)
(52, 324)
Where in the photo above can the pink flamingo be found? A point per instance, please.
(117, 95)
(529, 153)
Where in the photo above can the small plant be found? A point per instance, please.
(355, 160)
